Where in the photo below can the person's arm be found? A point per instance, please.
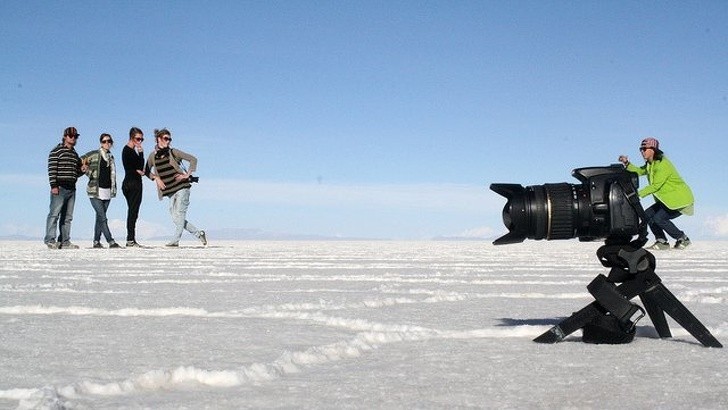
(84, 163)
(637, 170)
(151, 172)
(662, 170)
(191, 159)
(149, 169)
(53, 171)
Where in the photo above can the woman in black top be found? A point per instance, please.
(133, 159)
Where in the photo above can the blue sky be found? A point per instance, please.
(382, 119)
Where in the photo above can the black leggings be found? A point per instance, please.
(133, 193)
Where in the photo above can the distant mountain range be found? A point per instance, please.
(242, 234)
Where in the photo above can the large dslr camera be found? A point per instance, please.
(604, 206)
(600, 207)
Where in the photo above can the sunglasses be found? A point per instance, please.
(107, 141)
(73, 136)
(139, 139)
(643, 149)
(168, 139)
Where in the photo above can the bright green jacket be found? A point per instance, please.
(665, 183)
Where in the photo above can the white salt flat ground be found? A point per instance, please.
(337, 325)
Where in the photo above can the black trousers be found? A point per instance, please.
(132, 189)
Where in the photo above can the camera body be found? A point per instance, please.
(194, 179)
(597, 208)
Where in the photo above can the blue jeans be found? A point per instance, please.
(178, 204)
(60, 215)
(659, 217)
(102, 226)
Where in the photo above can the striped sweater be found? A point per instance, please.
(167, 164)
(64, 167)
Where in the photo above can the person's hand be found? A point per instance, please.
(624, 159)
(182, 177)
(140, 172)
(54, 191)
(160, 183)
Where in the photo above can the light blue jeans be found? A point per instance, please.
(178, 204)
(100, 206)
(60, 215)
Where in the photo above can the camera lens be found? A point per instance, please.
(538, 212)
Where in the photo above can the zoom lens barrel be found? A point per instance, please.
(538, 212)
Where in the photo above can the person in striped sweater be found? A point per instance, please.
(173, 181)
(64, 168)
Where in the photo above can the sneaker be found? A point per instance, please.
(202, 237)
(132, 244)
(53, 245)
(98, 245)
(682, 243)
(172, 245)
(660, 245)
(68, 245)
(114, 245)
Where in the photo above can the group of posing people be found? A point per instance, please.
(164, 166)
(672, 195)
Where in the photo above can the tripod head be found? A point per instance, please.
(626, 260)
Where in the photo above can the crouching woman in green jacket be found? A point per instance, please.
(101, 187)
(672, 195)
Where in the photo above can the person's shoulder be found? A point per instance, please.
(179, 153)
(664, 160)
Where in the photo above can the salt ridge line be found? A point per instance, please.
(188, 377)
(429, 276)
(359, 278)
(706, 296)
(287, 363)
(303, 312)
(197, 312)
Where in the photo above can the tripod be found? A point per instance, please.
(612, 314)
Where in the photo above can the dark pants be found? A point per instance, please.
(133, 193)
(659, 217)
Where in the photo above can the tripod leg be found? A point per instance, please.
(657, 315)
(570, 325)
(672, 306)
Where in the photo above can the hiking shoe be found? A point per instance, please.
(132, 244)
(202, 237)
(98, 245)
(660, 245)
(682, 243)
(52, 245)
(172, 245)
(68, 245)
(114, 245)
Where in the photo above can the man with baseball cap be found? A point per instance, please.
(64, 168)
(672, 195)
